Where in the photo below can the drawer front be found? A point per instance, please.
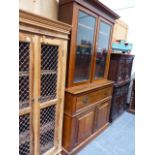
(93, 97)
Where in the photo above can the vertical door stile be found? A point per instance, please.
(31, 94)
(36, 108)
(62, 88)
(59, 97)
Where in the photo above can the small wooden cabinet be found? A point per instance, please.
(86, 114)
(120, 72)
(42, 67)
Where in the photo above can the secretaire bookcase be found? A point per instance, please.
(42, 61)
(88, 93)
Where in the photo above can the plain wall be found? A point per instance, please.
(46, 8)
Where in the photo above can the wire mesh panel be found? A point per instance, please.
(49, 65)
(23, 74)
(24, 134)
(47, 128)
(23, 56)
(23, 91)
(24, 95)
(49, 57)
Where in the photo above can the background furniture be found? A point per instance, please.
(120, 31)
(120, 72)
(132, 99)
(42, 61)
(88, 93)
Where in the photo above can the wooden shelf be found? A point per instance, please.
(45, 72)
(23, 103)
(84, 46)
(46, 147)
(23, 73)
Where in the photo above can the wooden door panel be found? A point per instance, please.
(102, 114)
(85, 126)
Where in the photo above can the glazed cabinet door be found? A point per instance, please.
(85, 126)
(84, 46)
(102, 49)
(25, 94)
(102, 114)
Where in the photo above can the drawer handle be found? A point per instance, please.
(85, 100)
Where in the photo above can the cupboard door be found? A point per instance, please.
(102, 49)
(85, 126)
(49, 73)
(84, 47)
(25, 95)
(102, 114)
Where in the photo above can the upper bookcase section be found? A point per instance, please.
(96, 7)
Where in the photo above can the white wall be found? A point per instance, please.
(46, 8)
(126, 9)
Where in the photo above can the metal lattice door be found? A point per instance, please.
(48, 95)
(39, 78)
(25, 123)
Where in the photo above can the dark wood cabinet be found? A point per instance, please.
(120, 72)
(88, 93)
(132, 98)
(120, 68)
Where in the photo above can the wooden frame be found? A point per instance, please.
(38, 30)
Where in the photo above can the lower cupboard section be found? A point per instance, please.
(46, 134)
(79, 129)
(47, 128)
(24, 135)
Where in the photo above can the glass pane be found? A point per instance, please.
(102, 49)
(85, 37)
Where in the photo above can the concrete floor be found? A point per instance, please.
(117, 139)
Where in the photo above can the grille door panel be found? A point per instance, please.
(49, 65)
(49, 57)
(39, 83)
(25, 124)
(47, 128)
